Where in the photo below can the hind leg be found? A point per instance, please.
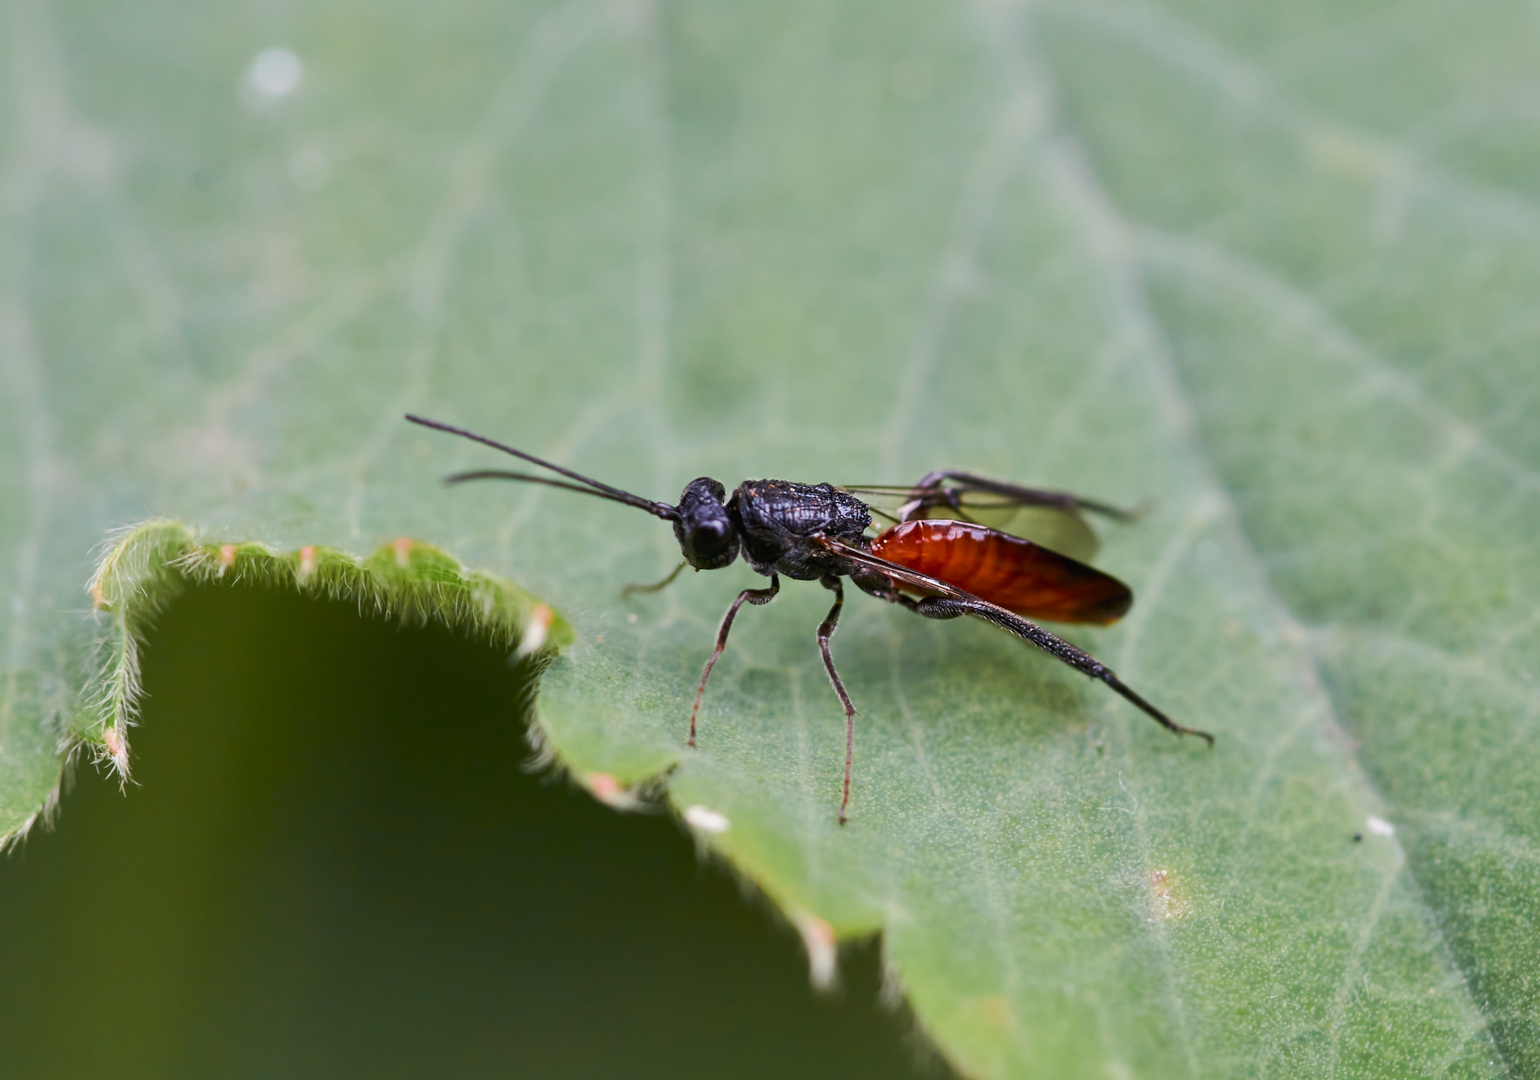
(946, 607)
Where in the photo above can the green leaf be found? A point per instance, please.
(1271, 266)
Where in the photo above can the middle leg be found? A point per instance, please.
(825, 632)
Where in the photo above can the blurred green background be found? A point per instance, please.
(300, 884)
(1271, 266)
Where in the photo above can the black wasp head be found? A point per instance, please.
(704, 528)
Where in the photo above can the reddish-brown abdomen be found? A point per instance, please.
(1006, 570)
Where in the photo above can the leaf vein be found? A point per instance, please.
(1213, 263)
(513, 104)
(1113, 244)
(1019, 119)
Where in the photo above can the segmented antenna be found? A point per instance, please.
(589, 486)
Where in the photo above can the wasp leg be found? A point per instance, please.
(943, 607)
(825, 632)
(753, 596)
(930, 495)
(657, 586)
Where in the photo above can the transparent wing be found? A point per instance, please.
(1053, 519)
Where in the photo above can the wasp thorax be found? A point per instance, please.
(704, 528)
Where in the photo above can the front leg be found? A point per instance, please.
(753, 596)
(657, 586)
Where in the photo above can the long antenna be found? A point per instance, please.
(527, 478)
(593, 487)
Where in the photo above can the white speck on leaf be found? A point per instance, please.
(403, 547)
(609, 791)
(1379, 826)
(272, 75)
(706, 820)
(818, 937)
(535, 633)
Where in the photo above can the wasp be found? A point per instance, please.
(936, 557)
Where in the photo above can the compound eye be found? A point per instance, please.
(711, 544)
(708, 537)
